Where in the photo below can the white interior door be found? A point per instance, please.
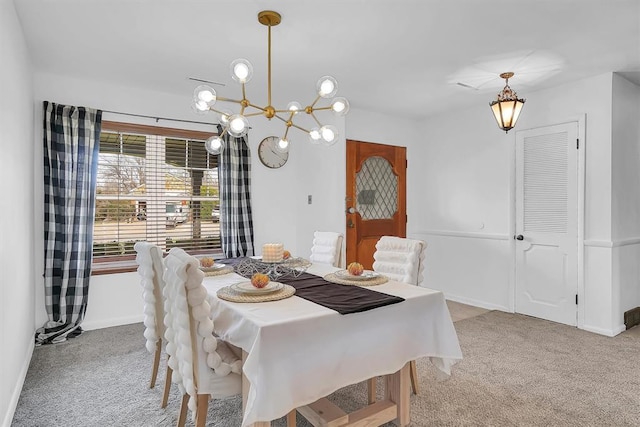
(547, 223)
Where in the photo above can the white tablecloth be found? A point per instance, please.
(300, 351)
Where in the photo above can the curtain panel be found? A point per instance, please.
(71, 138)
(236, 220)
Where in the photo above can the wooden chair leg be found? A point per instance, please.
(167, 386)
(371, 390)
(182, 416)
(291, 419)
(156, 363)
(201, 411)
(414, 376)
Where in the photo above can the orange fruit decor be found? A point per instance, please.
(259, 280)
(286, 255)
(355, 269)
(206, 262)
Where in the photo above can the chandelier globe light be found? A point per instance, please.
(214, 144)
(237, 124)
(506, 109)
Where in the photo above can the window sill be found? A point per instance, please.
(114, 267)
(128, 264)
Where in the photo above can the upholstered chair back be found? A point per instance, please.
(151, 271)
(327, 248)
(400, 259)
(202, 363)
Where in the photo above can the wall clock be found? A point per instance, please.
(269, 154)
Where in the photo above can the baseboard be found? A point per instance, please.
(476, 303)
(15, 396)
(620, 329)
(602, 331)
(108, 323)
(596, 330)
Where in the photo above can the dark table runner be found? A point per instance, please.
(344, 299)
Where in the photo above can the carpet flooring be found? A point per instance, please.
(517, 371)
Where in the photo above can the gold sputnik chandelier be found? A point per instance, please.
(237, 125)
(508, 106)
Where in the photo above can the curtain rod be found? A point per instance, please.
(157, 119)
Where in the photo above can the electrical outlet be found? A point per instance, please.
(309, 199)
(632, 317)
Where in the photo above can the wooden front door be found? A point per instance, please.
(376, 197)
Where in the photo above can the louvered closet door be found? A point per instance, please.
(546, 223)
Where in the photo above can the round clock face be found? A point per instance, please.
(269, 154)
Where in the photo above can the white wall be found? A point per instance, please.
(625, 209)
(625, 137)
(467, 208)
(17, 211)
(279, 196)
(319, 172)
(463, 205)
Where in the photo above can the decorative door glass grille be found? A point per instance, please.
(376, 189)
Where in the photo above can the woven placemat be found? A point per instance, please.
(334, 278)
(229, 294)
(219, 272)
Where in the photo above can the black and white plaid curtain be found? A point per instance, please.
(71, 143)
(236, 220)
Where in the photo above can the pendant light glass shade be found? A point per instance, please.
(329, 135)
(204, 95)
(507, 113)
(213, 145)
(327, 86)
(283, 145)
(238, 125)
(340, 106)
(241, 70)
(314, 136)
(506, 109)
(294, 107)
(224, 117)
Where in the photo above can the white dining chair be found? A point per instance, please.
(400, 259)
(204, 366)
(327, 248)
(151, 271)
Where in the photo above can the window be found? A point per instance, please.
(154, 184)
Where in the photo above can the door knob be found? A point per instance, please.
(519, 237)
(351, 210)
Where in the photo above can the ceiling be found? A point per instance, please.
(404, 58)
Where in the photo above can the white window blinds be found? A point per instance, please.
(154, 184)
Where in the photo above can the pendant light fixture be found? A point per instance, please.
(236, 124)
(508, 106)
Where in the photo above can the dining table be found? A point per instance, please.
(297, 351)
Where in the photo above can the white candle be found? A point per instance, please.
(272, 252)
